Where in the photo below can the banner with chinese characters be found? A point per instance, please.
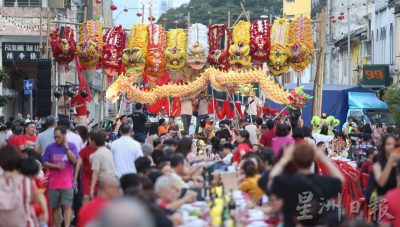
(376, 76)
(12, 52)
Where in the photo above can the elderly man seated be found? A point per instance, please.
(168, 191)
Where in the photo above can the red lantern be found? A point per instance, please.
(341, 17)
(164, 20)
(187, 25)
(113, 7)
(125, 10)
(151, 18)
(332, 17)
(98, 1)
(139, 14)
(342, 13)
(175, 23)
(333, 20)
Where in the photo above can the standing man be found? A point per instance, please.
(60, 158)
(125, 151)
(348, 126)
(47, 137)
(251, 129)
(102, 161)
(28, 140)
(71, 136)
(64, 104)
(79, 103)
(202, 109)
(139, 120)
(186, 114)
(9, 127)
(252, 106)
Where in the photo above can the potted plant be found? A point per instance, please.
(3, 75)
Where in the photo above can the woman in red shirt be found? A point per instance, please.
(87, 172)
(243, 147)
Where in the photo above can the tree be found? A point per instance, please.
(392, 97)
(202, 11)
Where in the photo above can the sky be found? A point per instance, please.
(127, 19)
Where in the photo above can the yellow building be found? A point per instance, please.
(296, 8)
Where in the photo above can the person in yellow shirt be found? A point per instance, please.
(249, 184)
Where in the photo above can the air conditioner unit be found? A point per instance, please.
(57, 3)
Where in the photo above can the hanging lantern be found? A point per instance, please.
(175, 23)
(164, 20)
(341, 13)
(139, 14)
(333, 20)
(187, 25)
(341, 17)
(332, 17)
(125, 10)
(113, 7)
(98, 1)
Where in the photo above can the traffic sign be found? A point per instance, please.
(28, 85)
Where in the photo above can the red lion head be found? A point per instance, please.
(219, 59)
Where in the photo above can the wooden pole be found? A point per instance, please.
(85, 13)
(229, 19)
(319, 78)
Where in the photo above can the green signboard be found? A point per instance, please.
(376, 76)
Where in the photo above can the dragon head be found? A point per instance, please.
(155, 63)
(259, 48)
(239, 56)
(196, 57)
(300, 56)
(277, 62)
(176, 58)
(133, 58)
(219, 59)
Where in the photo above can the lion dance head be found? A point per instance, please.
(63, 48)
(114, 40)
(240, 50)
(260, 43)
(176, 49)
(197, 50)
(218, 55)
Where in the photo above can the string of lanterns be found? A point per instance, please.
(19, 23)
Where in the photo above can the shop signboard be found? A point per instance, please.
(375, 76)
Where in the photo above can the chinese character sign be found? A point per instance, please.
(20, 51)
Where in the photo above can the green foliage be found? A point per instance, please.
(202, 11)
(3, 101)
(392, 97)
(3, 75)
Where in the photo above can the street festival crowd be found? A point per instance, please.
(260, 171)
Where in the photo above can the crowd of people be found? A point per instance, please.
(140, 173)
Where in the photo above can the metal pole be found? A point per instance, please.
(101, 100)
(348, 43)
(31, 105)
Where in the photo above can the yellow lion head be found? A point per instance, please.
(239, 55)
(89, 53)
(277, 62)
(176, 58)
(176, 49)
(133, 58)
(300, 56)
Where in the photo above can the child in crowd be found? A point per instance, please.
(250, 184)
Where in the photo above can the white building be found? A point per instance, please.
(382, 34)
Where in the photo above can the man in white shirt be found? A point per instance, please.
(71, 136)
(252, 106)
(251, 129)
(125, 151)
(186, 114)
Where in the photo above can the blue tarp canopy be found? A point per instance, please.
(365, 100)
(334, 100)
